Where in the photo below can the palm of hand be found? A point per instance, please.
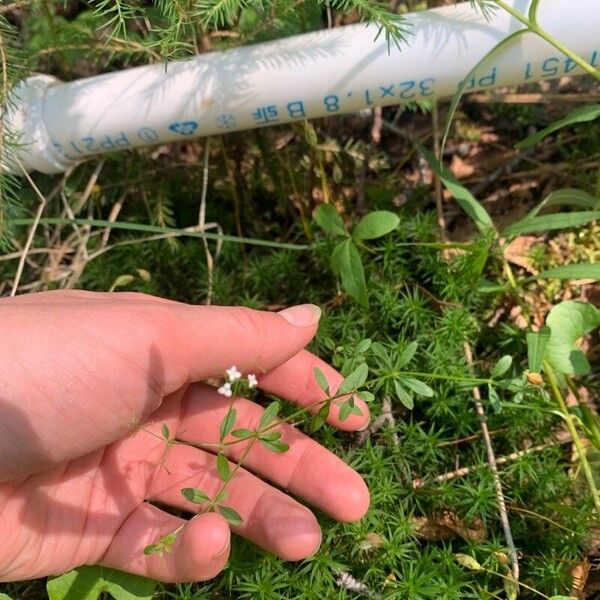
(86, 500)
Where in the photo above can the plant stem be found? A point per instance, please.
(532, 25)
(585, 465)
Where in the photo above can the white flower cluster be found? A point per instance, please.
(232, 376)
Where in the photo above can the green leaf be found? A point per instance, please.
(418, 387)
(403, 395)
(348, 408)
(504, 43)
(227, 423)
(355, 380)
(375, 225)
(321, 380)
(537, 342)
(319, 418)
(502, 366)
(242, 433)
(274, 445)
(88, 583)
(406, 355)
(561, 598)
(576, 271)
(552, 222)
(583, 114)
(230, 515)
(463, 196)
(329, 220)
(5, 597)
(223, 467)
(494, 399)
(381, 353)
(346, 261)
(363, 345)
(165, 432)
(464, 560)
(269, 414)
(566, 197)
(366, 396)
(121, 281)
(194, 495)
(569, 321)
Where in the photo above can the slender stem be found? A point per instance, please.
(585, 465)
(532, 25)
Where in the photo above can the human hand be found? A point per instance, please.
(89, 380)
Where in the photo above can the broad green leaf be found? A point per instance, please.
(494, 399)
(583, 114)
(194, 495)
(223, 467)
(463, 196)
(5, 597)
(537, 342)
(363, 345)
(403, 395)
(88, 583)
(366, 396)
(319, 419)
(228, 423)
(502, 366)
(375, 225)
(242, 433)
(464, 560)
(569, 321)
(275, 445)
(406, 355)
(381, 353)
(230, 515)
(552, 222)
(355, 380)
(418, 387)
(269, 414)
(576, 271)
(329, 220)
(346, 259)
(321, 380)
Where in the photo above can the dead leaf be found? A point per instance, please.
(461, 168)
(517, 252)
(447, 525)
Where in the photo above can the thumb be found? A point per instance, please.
(211, 339)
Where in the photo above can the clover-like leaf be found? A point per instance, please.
(375, 225)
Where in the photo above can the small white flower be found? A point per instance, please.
(225, 390)
(252, 381)
(233, 374)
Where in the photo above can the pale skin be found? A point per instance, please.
(87, 382)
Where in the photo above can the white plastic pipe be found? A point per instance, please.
(318, 74)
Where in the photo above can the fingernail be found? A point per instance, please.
(303, 315)
(222, 551)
